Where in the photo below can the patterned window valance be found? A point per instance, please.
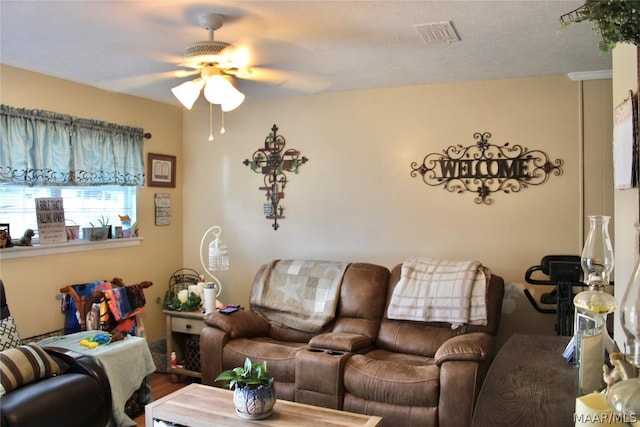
(47, 148)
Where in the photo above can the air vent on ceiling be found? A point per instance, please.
(437, 32)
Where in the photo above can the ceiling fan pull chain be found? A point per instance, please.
(222, 129)
(210, 122)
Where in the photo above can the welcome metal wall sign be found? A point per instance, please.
(485, 168)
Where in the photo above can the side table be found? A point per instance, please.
(529, 383)
(182, 327)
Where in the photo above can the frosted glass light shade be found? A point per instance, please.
(188, 92)
(216, 89)
(219, 90)
(233, 100)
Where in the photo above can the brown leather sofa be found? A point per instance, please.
(409, 373)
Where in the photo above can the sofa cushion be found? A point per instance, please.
(342, 341)
(25, 364)
(393, 378)
(9, 337)
(418, 338)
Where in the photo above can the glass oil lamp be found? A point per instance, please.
(592, 306)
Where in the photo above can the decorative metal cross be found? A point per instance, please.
(272, 162)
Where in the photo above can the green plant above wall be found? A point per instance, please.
(617, 21)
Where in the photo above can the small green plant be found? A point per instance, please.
(103, 221)
(181, 301)
(615, 20)
(252, 375)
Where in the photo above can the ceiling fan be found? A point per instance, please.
(217, 62)
(220, 63)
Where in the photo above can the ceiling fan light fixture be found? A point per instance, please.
(215, 89)
(188, 92)
(219, 90)
(217, 62)
(233, 100)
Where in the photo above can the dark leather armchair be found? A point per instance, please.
(80, 396)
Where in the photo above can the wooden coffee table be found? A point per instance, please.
(199, 405)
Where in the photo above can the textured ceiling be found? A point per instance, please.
(324, 46)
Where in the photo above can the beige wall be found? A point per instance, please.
(355, 199)
(625, 78)
(32, 283)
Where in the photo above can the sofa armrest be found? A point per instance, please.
(82, 364)
(342, 341)
(76, 363)
(474, 347)
(240, 324)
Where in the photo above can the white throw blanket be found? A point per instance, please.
(431, 290)
(299, 294)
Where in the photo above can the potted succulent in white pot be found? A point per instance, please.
(254, 392)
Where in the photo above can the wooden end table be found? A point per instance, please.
(180, 326)
(199, 405)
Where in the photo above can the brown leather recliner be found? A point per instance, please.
(227, 340)
(423, 374)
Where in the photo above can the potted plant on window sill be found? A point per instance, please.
(102, 232)
(254, 392)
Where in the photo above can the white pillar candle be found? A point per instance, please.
(209, 300)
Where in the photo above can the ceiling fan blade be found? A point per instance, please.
(287, 79)
(126, 84)
(267, 52)
(235, 57)
(185, 73)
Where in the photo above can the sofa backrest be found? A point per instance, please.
(424, 338)
(362, 300)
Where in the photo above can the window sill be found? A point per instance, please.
(17, 252)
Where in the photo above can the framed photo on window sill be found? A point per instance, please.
(161, 170)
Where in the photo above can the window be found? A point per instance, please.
(82, 205)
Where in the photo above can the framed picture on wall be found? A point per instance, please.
(161, 170)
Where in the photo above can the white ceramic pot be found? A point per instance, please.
(255, 403)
